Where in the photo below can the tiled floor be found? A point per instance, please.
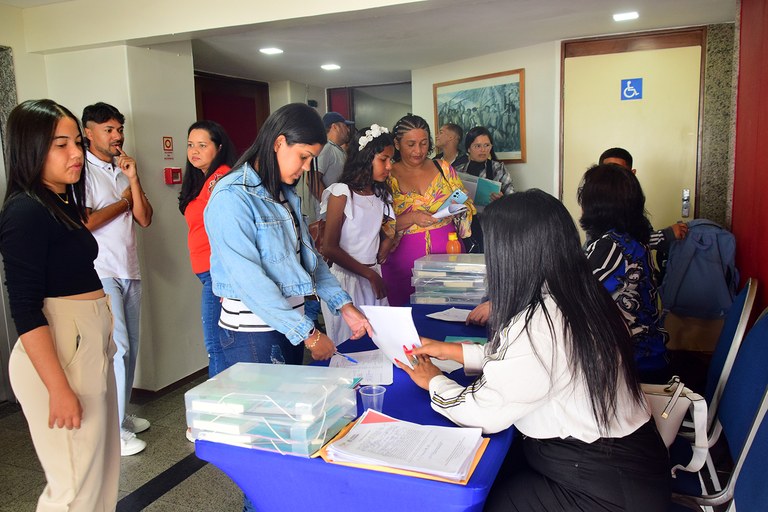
(207, 489)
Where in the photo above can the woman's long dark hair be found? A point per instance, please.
(358, 168)
(225, 155)
(31, 127)
(533, 248)
(611, 198)
(299, 123)
(475, 133)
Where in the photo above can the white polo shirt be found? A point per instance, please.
(104, 185)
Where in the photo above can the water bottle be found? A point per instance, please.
(277, 355)
(453, 246)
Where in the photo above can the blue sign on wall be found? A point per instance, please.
(631, 89)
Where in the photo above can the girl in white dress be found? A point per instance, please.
(359, 224)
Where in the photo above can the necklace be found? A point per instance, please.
(368, 197)
(64, 199)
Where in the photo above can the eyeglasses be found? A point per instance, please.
(481, 146)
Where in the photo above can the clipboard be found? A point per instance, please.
(323, 452)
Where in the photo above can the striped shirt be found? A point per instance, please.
(236, 316)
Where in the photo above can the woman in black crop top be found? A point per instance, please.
(61, 366)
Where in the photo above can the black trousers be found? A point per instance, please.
(624, 474)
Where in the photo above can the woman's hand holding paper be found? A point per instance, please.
(440, 350)
(357, 321)
(423, 370)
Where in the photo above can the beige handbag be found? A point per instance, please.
(669, 404)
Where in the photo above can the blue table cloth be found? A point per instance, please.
(275, 482)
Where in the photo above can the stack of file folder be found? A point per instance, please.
(449, 279)
(283, 408)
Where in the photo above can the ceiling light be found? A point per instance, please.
(270, 51)
(330, 67)
(625, 16)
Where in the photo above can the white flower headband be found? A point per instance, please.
(371, 134)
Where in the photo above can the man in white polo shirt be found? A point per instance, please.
(114, 199)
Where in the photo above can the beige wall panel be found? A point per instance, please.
(659, 130)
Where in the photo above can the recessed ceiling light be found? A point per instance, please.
(270, 51)
(330, 67)
(625, 16)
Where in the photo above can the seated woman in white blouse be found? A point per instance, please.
(558, 366)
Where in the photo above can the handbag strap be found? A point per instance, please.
(675, 395)
(700, 445)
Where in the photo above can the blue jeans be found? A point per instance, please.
(210, 308)
(125, 296)
(312, 309)
(258, 347)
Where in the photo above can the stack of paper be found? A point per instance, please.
(283, 408)
(380, 440)
(449, 279)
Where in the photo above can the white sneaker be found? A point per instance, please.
(134, 424)
(130, 444)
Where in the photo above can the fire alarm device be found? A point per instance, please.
(172, 175)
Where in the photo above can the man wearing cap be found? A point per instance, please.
(330, 161)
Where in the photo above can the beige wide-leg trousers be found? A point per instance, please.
(82, 466)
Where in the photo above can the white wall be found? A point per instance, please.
(87, 23)
(542, 105)
(154, 88)
(370, 109)
(286, 91)
(29, 68)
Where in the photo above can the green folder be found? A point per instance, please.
(459, 339)
(484, 190)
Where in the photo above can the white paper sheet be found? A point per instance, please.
(451, 210)
(451, 315)
(380, 439)
(446, 366)
(372, 366)
(393, 327)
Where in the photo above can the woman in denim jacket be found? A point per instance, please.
(263, 262)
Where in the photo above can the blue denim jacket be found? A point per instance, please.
(253, 253)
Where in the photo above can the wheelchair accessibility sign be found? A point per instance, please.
(631, 89)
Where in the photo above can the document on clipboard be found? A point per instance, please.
(379, 442)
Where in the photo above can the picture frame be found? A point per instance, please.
(496, 101)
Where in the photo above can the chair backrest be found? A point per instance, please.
(750, 489)
(728, 346)
(744, 392)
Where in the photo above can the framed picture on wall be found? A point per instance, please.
(496, 101)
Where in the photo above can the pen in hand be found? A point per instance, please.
(345, 356)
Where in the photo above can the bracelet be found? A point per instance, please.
(127, 202)
(311, 345)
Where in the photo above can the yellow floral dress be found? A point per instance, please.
(418, 241)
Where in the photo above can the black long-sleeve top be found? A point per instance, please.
(43, 258)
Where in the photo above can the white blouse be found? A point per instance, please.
(364, 216)
(539, 395)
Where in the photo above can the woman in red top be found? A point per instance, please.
(210, 154)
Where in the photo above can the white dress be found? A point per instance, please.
(363, 216)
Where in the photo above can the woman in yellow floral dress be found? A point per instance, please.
(419, 187)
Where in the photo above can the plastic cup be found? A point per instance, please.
(373, 397)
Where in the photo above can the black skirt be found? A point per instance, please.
(612, 474)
